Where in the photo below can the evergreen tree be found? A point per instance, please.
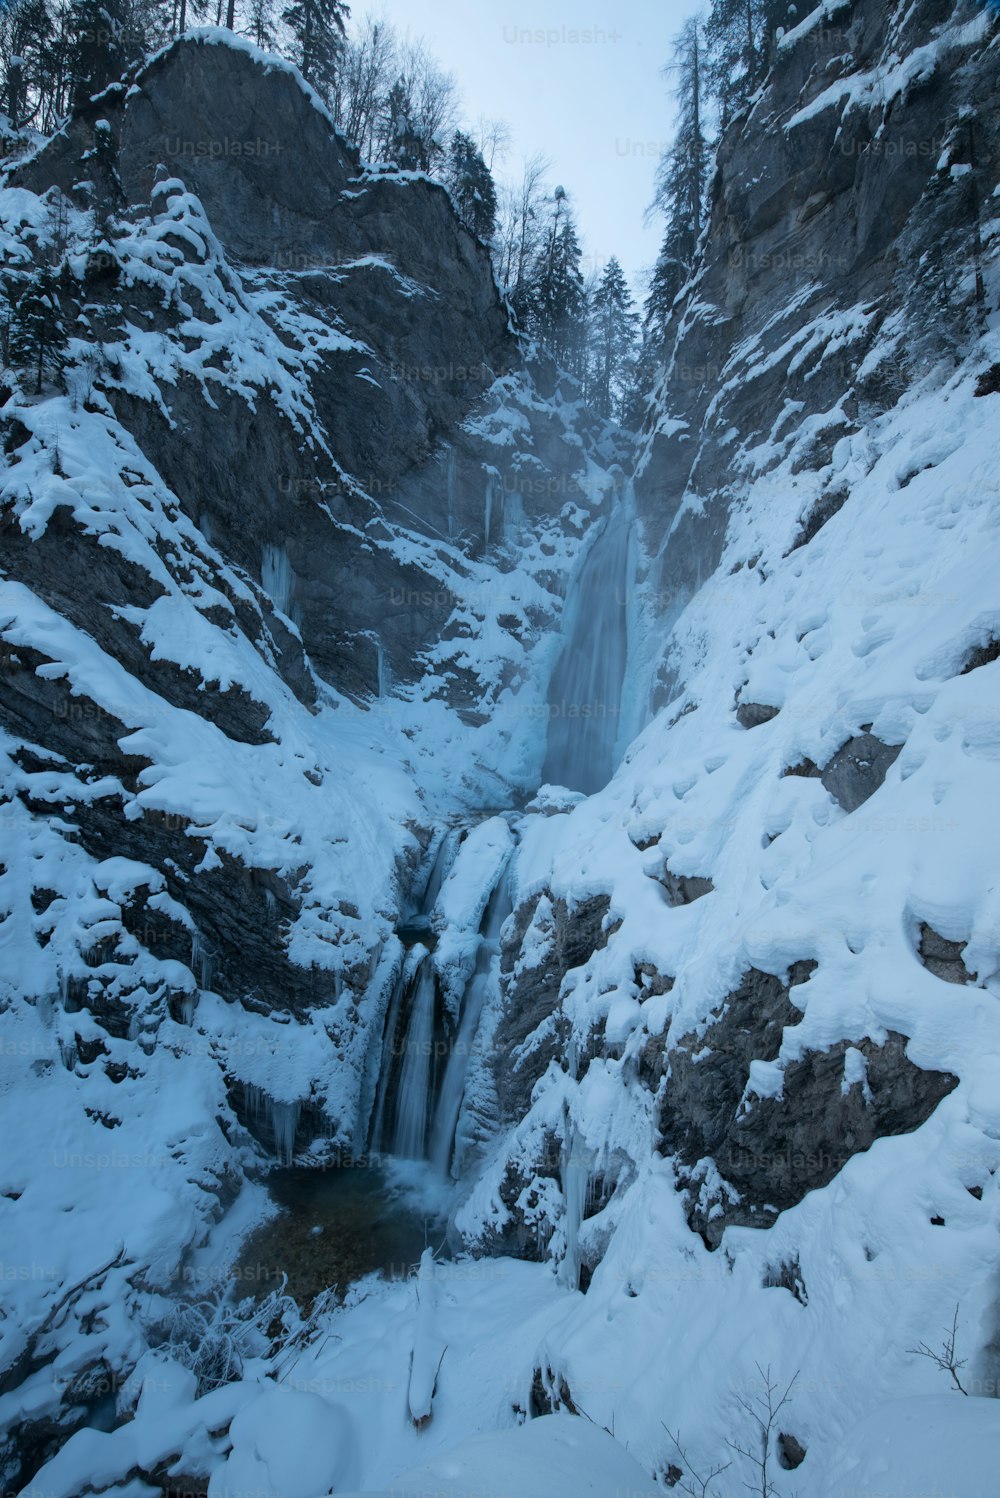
(613, 335)
(37, 336)
(681, 181)
(405, 145)
(318, 28)
(99, 55)
(556, 299)
(471, 184)
(736, 36)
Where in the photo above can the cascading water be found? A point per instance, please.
(417, 1108)
(409, 1138)
(449, 1105)
(585, 693)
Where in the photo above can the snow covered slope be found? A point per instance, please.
(284, 549)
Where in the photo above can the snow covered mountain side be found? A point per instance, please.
(287, 523)
(306, 559)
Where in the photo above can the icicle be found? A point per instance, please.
(201, 963)
(513, 513)
(284, 1123)
(575, 1175)
(280, 1119)
(384, 673)
(493, 500)
(277, 577)
(450, 473)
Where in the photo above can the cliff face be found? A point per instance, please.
(781, 914)
(277, 546)
(791, 336)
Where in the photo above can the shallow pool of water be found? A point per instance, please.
(337, 1225)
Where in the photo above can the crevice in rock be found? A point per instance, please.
(942, 957)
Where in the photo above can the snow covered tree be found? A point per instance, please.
(556, 299)
(736, 36)
(681, 180)
(613, 336)
(318, 31)
(471, 185)
(37, 333)
(99, 54)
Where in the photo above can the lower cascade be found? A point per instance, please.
(425, 1060)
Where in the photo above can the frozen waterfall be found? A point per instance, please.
(585, 692)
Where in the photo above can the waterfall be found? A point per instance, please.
(410, 1136)
(385, 1071)
(418, 1101)
(487, 967)
(585, 693)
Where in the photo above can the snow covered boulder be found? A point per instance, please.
(288, 1442)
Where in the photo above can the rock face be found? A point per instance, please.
(300, 462)
(815, 186)
(770, 1150)
(403, 333)
(532, 1032)
(777, 442)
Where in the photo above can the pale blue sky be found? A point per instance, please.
(598, 108)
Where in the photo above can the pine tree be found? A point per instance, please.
(37, 338)
(736, 36)
(613, 335)
(99, 55)
(260, 21)
(681, 181)
(405, 145)
(318, 28)
(471, 185)
(556, 299)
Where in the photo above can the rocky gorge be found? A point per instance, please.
(699, 1060)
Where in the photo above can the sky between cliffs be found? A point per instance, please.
(581, 83)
